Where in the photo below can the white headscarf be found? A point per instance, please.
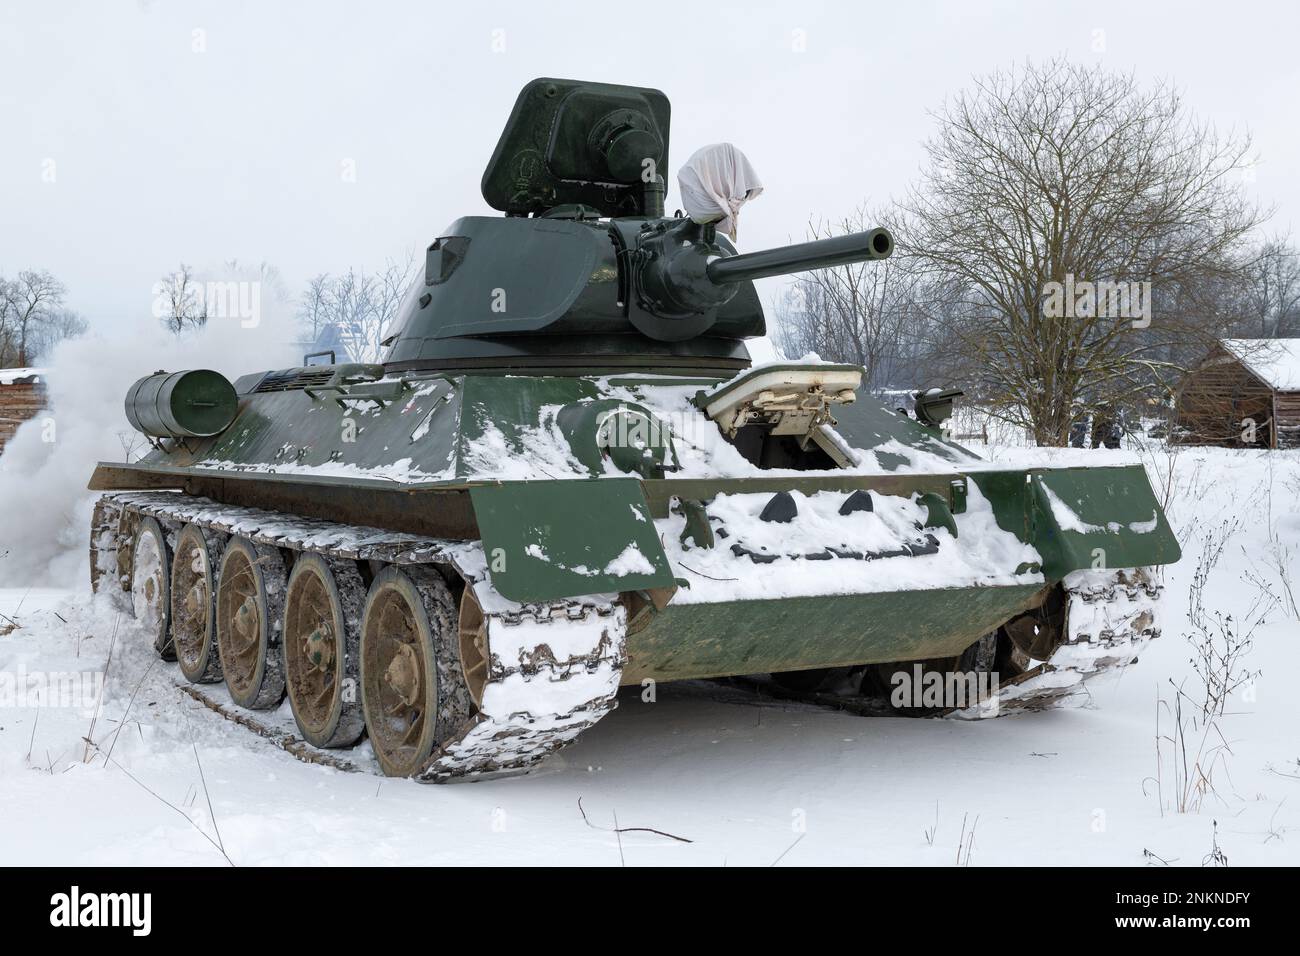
(715, 182)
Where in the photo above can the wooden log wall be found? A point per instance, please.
(18, 403)
(1221, 394)
(1286, 413)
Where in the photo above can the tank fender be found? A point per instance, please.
(1097, 518)
(545, 540)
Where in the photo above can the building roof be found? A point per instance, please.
(21, 376)
(1276, 362)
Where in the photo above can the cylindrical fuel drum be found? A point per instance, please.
(194, 404)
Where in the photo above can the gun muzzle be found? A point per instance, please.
(818, 254)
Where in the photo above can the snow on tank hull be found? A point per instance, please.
(951, 550)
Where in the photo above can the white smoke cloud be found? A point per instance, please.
(45, 508)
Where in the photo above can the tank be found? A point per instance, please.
(567, 476)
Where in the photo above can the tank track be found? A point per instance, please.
(553, 668)
(1110, 619)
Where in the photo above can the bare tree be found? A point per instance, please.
(7, 349)
(1272, 290)
(313, 311)
(27, 304)
(390, 289)
(59, 324)
(1048, 184)
(362, 306)
(179, 301)
(351, 305)
(856, 313)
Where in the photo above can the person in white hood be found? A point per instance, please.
(715, 182)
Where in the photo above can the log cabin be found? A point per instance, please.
(22, 397)
(1244, 394)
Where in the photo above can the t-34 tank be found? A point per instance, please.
(567, 476)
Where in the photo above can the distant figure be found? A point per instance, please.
(1106, 430)
(1078, 433)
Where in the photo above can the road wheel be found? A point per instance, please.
(412, 689)
(250, 615)
(322, 650)
(193, 595)
(151, 563)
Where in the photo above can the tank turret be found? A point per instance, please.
(584, 265)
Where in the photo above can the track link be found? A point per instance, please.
(1110, 619)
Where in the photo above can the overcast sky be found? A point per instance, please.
(206, 131)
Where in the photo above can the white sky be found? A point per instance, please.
(163, 154)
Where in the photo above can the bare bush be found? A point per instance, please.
(1190, 745)
(1190, 749)
(1219, 642)
(1216, 856)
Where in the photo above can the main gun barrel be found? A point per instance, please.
(819, 254)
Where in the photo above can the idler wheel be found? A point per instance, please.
(1035, 635)
(474, 652)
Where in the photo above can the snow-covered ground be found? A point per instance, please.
(747, 781)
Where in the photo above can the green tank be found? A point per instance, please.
(567, 476)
